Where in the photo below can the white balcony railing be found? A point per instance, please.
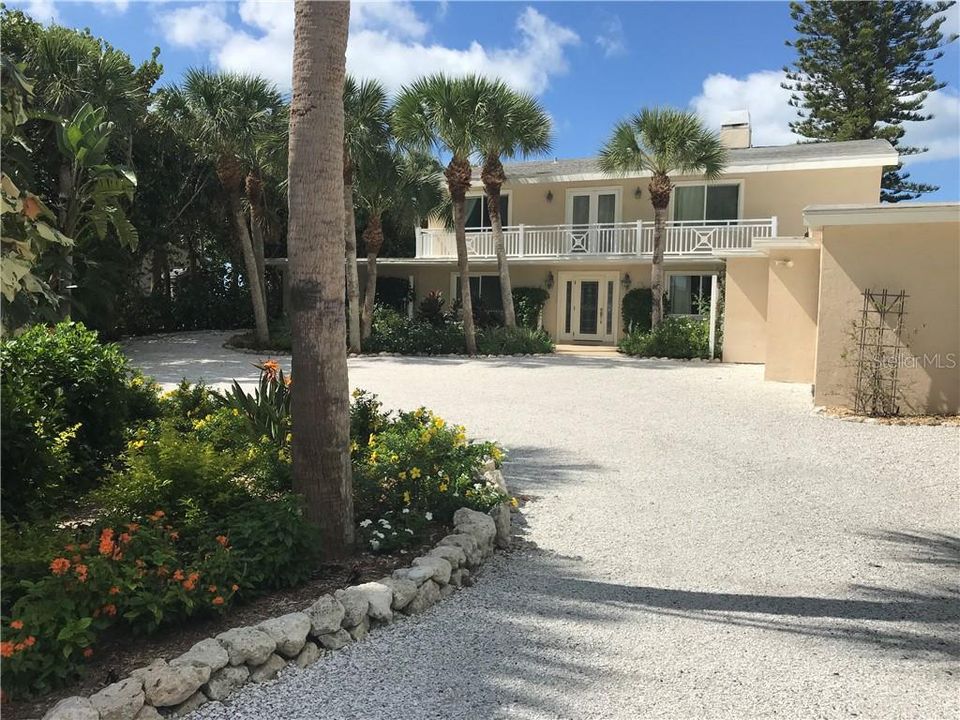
(684, 239)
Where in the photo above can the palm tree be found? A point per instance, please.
(406, 185)
(446, 114)
(226, 114)
(366, 131)
(661, 141)
(320, 407)
(513, 124)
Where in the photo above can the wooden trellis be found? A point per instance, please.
(880, 349)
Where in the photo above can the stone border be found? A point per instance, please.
(215, 667)
(847, 415)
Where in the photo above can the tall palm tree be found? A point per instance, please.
(445, 113)
(226, 114)
(366, 132)
(662, 141)
(320, 407)
(406, 185)
(513, 124)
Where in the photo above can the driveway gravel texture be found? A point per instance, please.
(698, 544)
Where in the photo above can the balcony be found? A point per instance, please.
(684, 239)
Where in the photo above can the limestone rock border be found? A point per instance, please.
(215, 667)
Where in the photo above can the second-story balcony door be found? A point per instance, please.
(588, 212)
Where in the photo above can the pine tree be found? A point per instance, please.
(862, 70)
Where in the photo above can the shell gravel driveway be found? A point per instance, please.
(700, 545)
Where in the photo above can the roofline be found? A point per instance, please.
(818, 216)
(886, 159)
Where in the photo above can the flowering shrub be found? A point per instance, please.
(676, 337)
(136, 575)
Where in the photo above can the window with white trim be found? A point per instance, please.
(706, 203)
(476, 213)
(688, 294)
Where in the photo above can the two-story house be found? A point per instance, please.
(587, 236)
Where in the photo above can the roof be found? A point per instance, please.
(851, 153)
(817, 216)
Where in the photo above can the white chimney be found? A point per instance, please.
(735, 130)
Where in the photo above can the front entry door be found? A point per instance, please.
(588, 307)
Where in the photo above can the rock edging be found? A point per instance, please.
(214, 668)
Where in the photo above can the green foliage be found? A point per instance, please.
(637, 306)
(268, 408)
(863, 69)
(675, 337)
(67, 404)
(528, 304)
(513, 341)
(431, 308)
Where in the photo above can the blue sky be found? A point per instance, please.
(590, 63)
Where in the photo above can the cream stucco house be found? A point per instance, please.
(588, 237)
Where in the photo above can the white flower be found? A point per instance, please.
(477, 486)
(406, 510)
(429, 516)
(378, 534)
(374, 544)
(386, 525)
(366, 523)
(407, 530)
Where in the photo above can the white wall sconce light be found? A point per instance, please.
(784, 263)
(549, 282)
(626, 282)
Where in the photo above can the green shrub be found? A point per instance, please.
(431, 308)
(675, 337)
(67, 404)
(267, 410)
(528, 303)
(637, 306)
(513, 341)
(394, 332)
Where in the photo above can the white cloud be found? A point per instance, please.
(760, 93)
(196, 25)
(112, 6)
(941, 135)
(43, 11)
(611, 38)
(387, 42)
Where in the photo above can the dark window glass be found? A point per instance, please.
(567, 309)
(722, 202)
(475, 217)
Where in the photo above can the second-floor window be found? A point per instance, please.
(477, 215)
(706, 203)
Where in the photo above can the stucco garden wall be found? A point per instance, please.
(922, 259)
(791, 327)
(745, 310)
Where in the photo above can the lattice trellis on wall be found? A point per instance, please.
(879, 352)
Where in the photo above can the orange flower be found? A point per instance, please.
(270, 368)
(223, 540)
(174, 536)
(19, 647)
(212, 588)
(69, 547)
(110, 609)
(59, 566)
(178, 575)
(6, 649)
(17, 624)
(81, 571)
(114, 590)
(157, 515)
(29, 642)
(189, 584)
(106, 542)
(88, 652)
(217, 600)
(234, 587)
(124, 538)
(133, 527)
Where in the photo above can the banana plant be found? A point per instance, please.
(96, 190)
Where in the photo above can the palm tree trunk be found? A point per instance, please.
(256, 236)
(458, 174)
(506, 288)
(373, 239)
(66, 221)
(320, 406)
(261, 329)
(353, 279)
(659, 188)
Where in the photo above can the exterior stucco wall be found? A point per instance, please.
(745, 310)
(791, 327)
(924, 260)
(782, 193)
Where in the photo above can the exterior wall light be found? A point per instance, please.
(638, 193)
(549, 282)
(626, 282)
(784, 263)
(549, 195)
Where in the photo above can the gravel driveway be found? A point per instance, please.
(700, 545)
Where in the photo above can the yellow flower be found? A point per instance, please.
(439, 423)
(372, 440)
(443, 487)
(403, 475)
(514, 502)
(373, 458)
(236, 413)
(425, 437)
(354, 446)
(137, 444)
(289, 437)
(415, 473)
(394, 457)
(496, 454)
(406, 497)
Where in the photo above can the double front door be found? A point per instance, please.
(588, 306)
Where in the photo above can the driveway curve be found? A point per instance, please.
(698, 544)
